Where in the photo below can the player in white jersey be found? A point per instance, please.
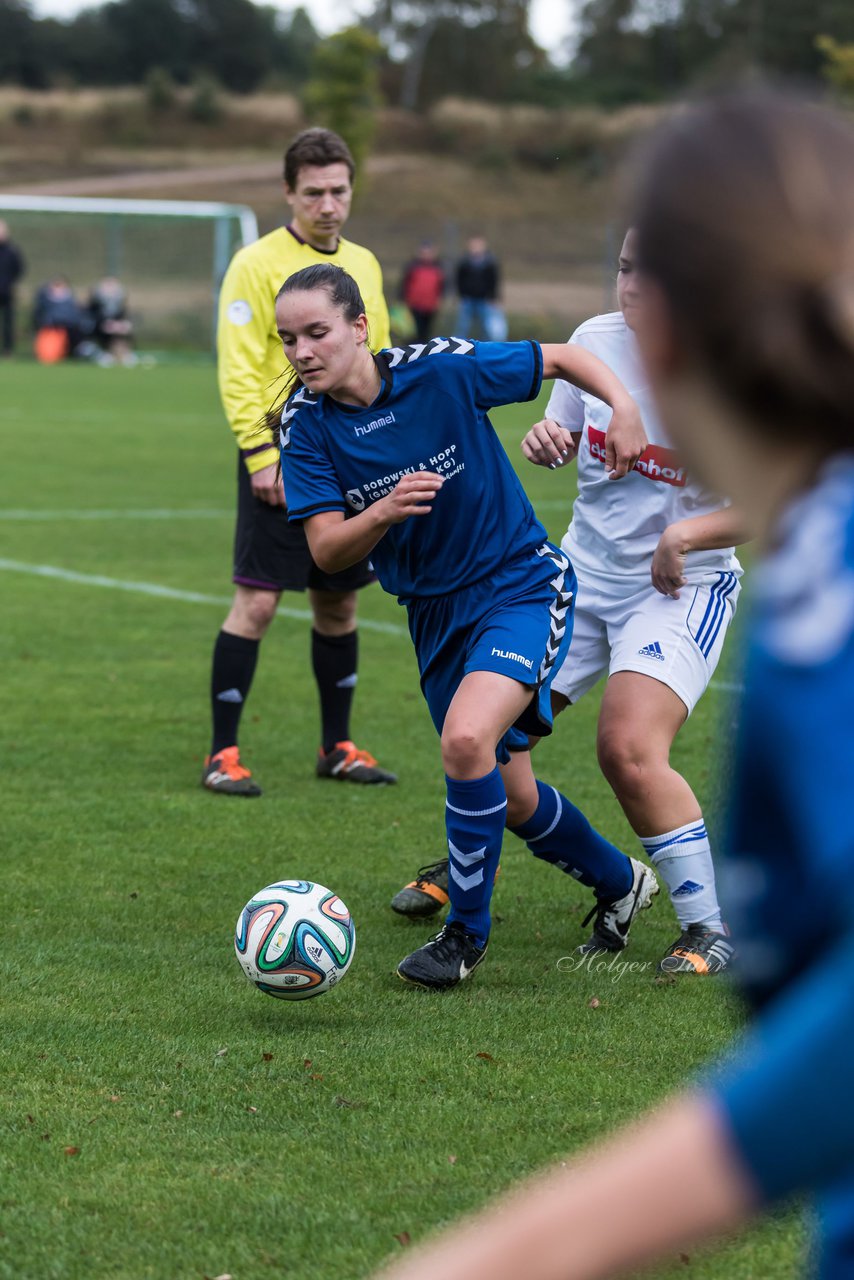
(658, 584)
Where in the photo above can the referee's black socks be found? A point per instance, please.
(234, 661)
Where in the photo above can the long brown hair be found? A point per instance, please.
(744, 211)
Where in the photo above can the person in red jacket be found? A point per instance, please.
(421, 289)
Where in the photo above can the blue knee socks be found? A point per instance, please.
(560, 834)
(474, 819)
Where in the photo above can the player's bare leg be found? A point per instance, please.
(638, 722)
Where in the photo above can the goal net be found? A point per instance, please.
(170, 256)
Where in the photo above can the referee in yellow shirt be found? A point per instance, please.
(271, 556)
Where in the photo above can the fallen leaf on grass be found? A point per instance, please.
(135, 894)
(487, 1057)
(404, 1238)
(594, 1003)
(452, 1159)
(115, 1097)
(267, 1057)
(253, 1111)
(71, 1151)
(220, 1053)
(177, 1114)
(318, 1075)
(306, 1062)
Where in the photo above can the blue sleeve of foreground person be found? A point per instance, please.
(788, 1099)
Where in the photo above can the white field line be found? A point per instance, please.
(170, 593)
(49, 516)
(148, 513)
(196, 597)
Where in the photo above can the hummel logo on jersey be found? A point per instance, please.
(375, 425)
(652, 651)
(230, 695)
(515, 657)
(686, 888)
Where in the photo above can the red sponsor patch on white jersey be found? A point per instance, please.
(656, 462)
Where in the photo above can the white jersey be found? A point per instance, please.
(616, 524)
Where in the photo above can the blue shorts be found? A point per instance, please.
(517, 622)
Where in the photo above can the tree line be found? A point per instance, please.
(423, 50)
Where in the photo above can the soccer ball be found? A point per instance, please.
(295, 939)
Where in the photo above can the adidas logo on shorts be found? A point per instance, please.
(652, 651)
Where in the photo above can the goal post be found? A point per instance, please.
(170, 255)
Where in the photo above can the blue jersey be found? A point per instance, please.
(430, 415)
(788, 879)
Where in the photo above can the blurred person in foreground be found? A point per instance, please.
(11, 270)
(745, 219)
(271, 556)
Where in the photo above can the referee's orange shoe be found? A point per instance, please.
(346, 763)
(225, 774)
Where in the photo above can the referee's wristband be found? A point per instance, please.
(263, 455)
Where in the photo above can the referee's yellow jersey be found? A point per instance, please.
(250, 360)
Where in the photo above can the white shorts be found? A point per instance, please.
(629, 626)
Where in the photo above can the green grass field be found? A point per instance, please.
(161, 1119)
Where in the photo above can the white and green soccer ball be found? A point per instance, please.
(295, 939)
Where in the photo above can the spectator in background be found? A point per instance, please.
(61, 325)
(112, 327)
(421, 289)
(11, 270)
(478, 286)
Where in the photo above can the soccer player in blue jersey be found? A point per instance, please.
(745, 221)
(394, 457)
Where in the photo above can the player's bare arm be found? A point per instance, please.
(710, 532)
(337, 543)
(626, 438)
(548, 444)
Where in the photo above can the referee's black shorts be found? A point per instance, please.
(272, 555)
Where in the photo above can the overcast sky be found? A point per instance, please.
(550, 21)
